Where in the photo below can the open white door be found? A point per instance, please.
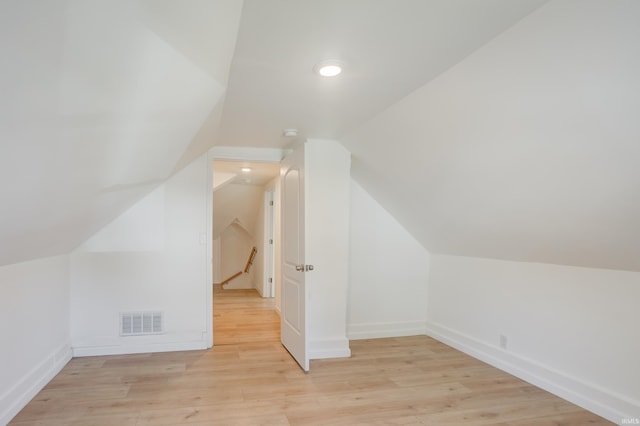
(293, 324)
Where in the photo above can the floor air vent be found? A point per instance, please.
(138, 323)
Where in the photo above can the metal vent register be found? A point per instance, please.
(138, 323)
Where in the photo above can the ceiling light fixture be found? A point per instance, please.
(329, 68)
(290, 133)
(246, 169)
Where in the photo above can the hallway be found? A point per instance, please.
(243, 316)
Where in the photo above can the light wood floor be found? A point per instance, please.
(402, 381)
(242, 316)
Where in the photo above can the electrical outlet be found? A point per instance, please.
(503, 341)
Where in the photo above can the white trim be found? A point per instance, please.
(208, 303)
(20, 394)
(119, 345)
(82, 351)
(246, 153)
(268, 249)
(388, 329)
(589, 396)
(329, 348)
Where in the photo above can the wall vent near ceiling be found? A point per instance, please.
(139, 323)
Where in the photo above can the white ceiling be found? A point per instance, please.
(231, 172)
(100, 102)
(489, 128)
(528, 149)
(390, 49)
(238, 195)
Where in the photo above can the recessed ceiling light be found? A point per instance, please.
(246, 169)
(290, 133)
(329, 68)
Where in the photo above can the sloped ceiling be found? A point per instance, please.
(491, 128)
(257, 173)
(528, 149)
(390, 49)
(101, 101)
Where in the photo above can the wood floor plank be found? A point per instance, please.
(254, 381)
(242, 316)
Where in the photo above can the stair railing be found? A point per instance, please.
(247, 267)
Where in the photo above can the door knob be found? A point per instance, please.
(300, 268)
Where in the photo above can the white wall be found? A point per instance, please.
(527, 149)
(153, 257)
(388, 273)
(235, 248)
(570, 330)
(327, 187)
(140, 228)
(154, 71)
(236, 201)
(232, 204)
(36, 340)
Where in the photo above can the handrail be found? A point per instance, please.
(237, 274)
(250, 260)
(252, 256)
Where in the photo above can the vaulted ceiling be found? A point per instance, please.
(100, 102)
(527, 150)
(490, 128)
(390, 48)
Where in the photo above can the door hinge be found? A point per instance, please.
(270, 280)
(270, 240)
(270, 203)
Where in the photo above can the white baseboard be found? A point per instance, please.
(589, 396)
(388, 329)
(16, 398)
(141, 344)
(236, 286)
(138, 349)
(329, 348)
(259, 290)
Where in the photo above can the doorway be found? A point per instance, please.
(243, 252)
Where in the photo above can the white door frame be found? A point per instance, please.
(268, 280)
(226, 153)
